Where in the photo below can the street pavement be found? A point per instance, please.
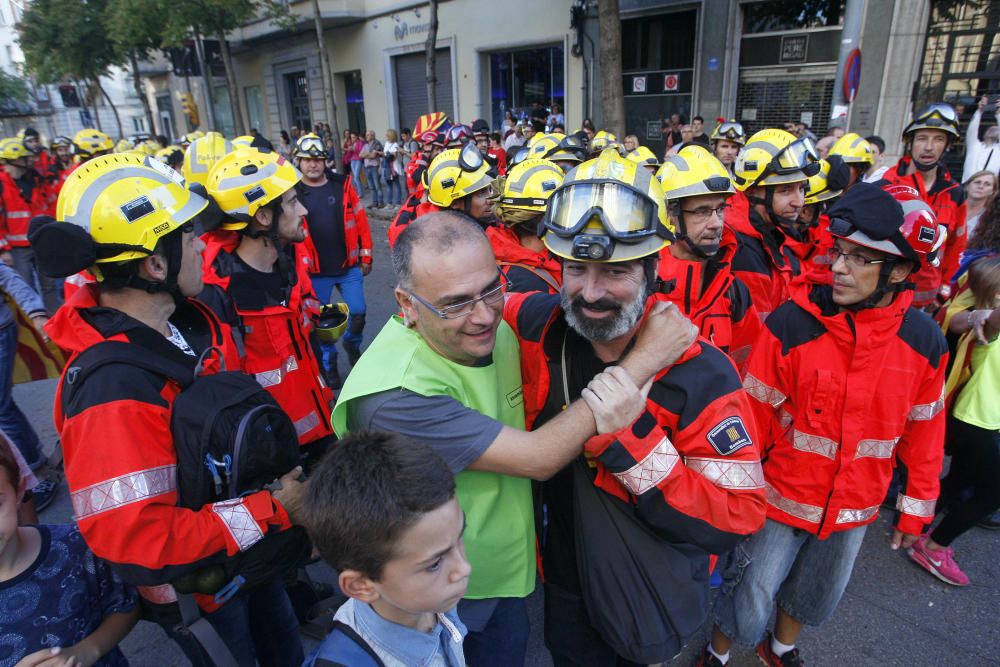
(893, 612)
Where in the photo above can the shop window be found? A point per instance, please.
(355, 97)
(519, 79)
(777, 15)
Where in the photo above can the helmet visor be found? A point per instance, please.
(625, 213)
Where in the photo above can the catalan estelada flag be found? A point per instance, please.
(37, 359)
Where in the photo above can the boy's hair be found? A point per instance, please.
(8, 463)
(984, 280)
(369, 489)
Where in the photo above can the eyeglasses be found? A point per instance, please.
(465, 308)
(702, 212)
(854, 260)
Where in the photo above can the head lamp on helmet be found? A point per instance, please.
(608, 209)
(729, 131)
(310, 146)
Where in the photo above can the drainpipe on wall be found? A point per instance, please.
(850, 39)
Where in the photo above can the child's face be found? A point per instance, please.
(10, 501)
(430, 572)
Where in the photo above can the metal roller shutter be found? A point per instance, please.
(411, 85)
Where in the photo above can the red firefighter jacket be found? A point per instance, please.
(839, 397)
(947, 198)
(738, 211)
(407, 214)
(764, 261)
(527, 270)
(276, 339)
(714, 299)
(18, 212)
(414, 170)
(357, 233)
(689, 463)
(119, 454)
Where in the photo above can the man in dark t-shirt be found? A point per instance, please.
(338, 230)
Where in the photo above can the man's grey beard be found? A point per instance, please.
(603, 330)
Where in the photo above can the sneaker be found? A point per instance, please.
(989, 522)
(939, 562)
(706, 659)
(44, 493)
(767, 656)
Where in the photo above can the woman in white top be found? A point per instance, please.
(980, 190)
(392, 169)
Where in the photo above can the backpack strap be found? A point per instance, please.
(545, 276)
(344, 647)
(204, 632)
(116, 352)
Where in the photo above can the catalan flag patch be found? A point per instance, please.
(729, 435)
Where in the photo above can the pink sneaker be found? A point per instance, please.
(939, 562)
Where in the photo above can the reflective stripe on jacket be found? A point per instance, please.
(276, 339)
(839, 398)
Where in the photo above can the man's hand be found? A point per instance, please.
(7, 258)
(39, 320)
(977, 322)
(366, 268)
(664, 336)
(615, 399)
(901, 539)
(52, 657)
(983, 101)
(291, 492)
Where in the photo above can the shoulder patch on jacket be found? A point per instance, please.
(793, 326)
(922, 334)
(729, 435)
(689, 388)
(110, 384)
(534, 313)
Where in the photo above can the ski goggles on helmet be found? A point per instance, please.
(626, 214)
(730, 131)
(470, 159)
(937, 114)
(798, 156)
(310, 147)
(570, 146)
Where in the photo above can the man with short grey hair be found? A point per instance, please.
(446, 371)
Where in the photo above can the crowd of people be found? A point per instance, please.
(613, 373)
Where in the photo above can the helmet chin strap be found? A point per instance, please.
(882, 289)
(786, 225)
(682, 235)
(271, 234)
